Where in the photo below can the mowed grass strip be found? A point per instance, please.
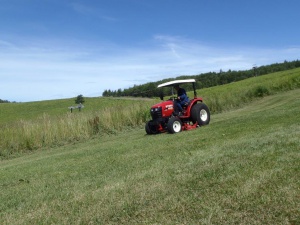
(243, 168)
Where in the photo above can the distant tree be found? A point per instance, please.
(119, 92)
(104, 93)
(79, 99)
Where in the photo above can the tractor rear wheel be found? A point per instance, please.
(201, 114)
(150, 128)
(174, 125)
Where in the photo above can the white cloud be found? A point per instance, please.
(91, 11)
(81, 8)
(60, 71)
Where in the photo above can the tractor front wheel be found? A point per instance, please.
(174, 125)
(150, 128)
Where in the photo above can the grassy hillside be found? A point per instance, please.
(31, 110)
(237, 94)
(244, 168)
(27, 127)
(218, 98)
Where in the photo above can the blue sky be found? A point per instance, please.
(53, 49)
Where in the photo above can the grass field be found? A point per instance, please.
(243, 168)
(33, 126)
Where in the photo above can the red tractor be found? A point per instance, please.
(164, 118)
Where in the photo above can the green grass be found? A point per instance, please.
(243, 168)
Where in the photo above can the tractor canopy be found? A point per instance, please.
(178, 82)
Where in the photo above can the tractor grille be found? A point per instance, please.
(156, 113)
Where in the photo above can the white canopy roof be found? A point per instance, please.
(172, 83)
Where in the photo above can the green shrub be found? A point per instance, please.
(261, 91)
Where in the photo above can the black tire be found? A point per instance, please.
(174, 125)
(151, 129)
(201, 114)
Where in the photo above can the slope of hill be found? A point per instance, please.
(27, 127)
(244, 168)
(31, 110)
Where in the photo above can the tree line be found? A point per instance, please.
(204, 80)
(4, 101)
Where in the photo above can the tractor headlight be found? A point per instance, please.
(155, 109)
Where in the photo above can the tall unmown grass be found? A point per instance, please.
(49, 131)
(236, 94)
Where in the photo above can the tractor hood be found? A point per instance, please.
(167, 108)
(164, 105)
